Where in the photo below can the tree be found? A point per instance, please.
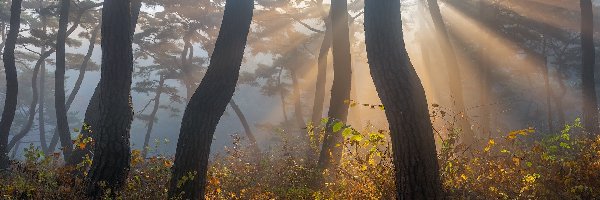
(112, 155)
(590, 99)
(59, 83)
(209, 101)
(12, 85)
(454, 74)
(401, 92)
(317, 112)
(342, 80)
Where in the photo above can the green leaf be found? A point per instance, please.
(347, 132)
(356, 138)
(565, 145)
(324, 121)
(338, 126)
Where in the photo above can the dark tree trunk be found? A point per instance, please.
(112, 154)
(317, 112)
(83, 68)
(342, 81)
(12, 85)
(152, 118)
(590, 105)
(454, 74)
(42, 93)
(245, 124)
(59, 81)
(92, 111)
(547, 87)
(401, 92)
(208, 103)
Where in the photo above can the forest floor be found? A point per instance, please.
(521, 164)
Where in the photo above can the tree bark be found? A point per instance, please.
(12, 85)
(59, 81)
(454, 74)
(208, 103)
(402, 94)
(317, 112)
(342, 81)
(590, 105)
(42, 93)
(155, 108)
(112, 154)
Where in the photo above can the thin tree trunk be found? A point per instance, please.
(208, 103)
(112, 154)
(282, 95)
(454, 74)
(298, 114)
(59, 81)
(155, 108)
(590, 102)
(548, 87)
(317, 112)
(246, 125)
(41, 115)
(402, 94)
(342, 81)
(12, 85)
(83, 68)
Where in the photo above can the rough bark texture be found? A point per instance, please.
(342, 81)
(161, 83)
(590, 105)
(454, 74)
(12, 85)
(317, 112)
(209, 102)
(112, 149)
(403, 96)
(59, 81)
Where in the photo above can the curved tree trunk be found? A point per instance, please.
(12, 85)
(590, 100)
(401, 92)
(155, 108)
(454, 74)
(342, 81)
(112, 154)
(83, 67)
(208, 103)
(42, 93)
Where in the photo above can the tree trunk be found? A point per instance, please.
(34, 102)
(12, 85)
(159, 90)
(41, 114)
(454, 74)
(401, 92)
(317, 112)
(547, 87)
(92, 111)
(112, 154)
(282, 95)
(298, 114)
(246, 125)
(83, 68)
(208, 103)
(59, 81)
(590, 105)
(342, 80)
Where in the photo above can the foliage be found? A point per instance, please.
(521, 164)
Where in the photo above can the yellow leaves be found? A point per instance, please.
(136, 157)
(464, 177)
(517, 161)
(531, 178)
(491, 143)
(168, 163)
(524, 132)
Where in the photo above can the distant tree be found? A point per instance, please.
(209, 102)
(401, 92)
(317, 112)
(110, 165)
(590, 99)
(12, 85)
(454, 72)
(342, 81)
